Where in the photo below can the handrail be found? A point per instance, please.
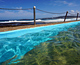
(34, 13)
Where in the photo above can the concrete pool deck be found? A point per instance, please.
(3, 29)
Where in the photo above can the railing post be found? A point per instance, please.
(77, 16)
(65, 16)
(34, 15)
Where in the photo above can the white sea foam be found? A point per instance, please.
(59, 20)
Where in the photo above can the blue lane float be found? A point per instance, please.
(19, 42)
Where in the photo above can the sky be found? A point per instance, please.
(55, 6)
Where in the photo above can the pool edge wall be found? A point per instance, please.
(19, 32)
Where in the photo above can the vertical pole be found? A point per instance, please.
(77, 16)
(34, 15)
(65, 16)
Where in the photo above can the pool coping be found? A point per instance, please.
(3, 29)
(20, 32)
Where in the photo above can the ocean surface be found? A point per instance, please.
(21, 22)
(39, 20)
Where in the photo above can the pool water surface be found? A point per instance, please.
(57, 45)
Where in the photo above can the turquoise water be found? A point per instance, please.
(62, 49)
(15, 44)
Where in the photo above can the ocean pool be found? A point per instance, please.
(51, 44)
